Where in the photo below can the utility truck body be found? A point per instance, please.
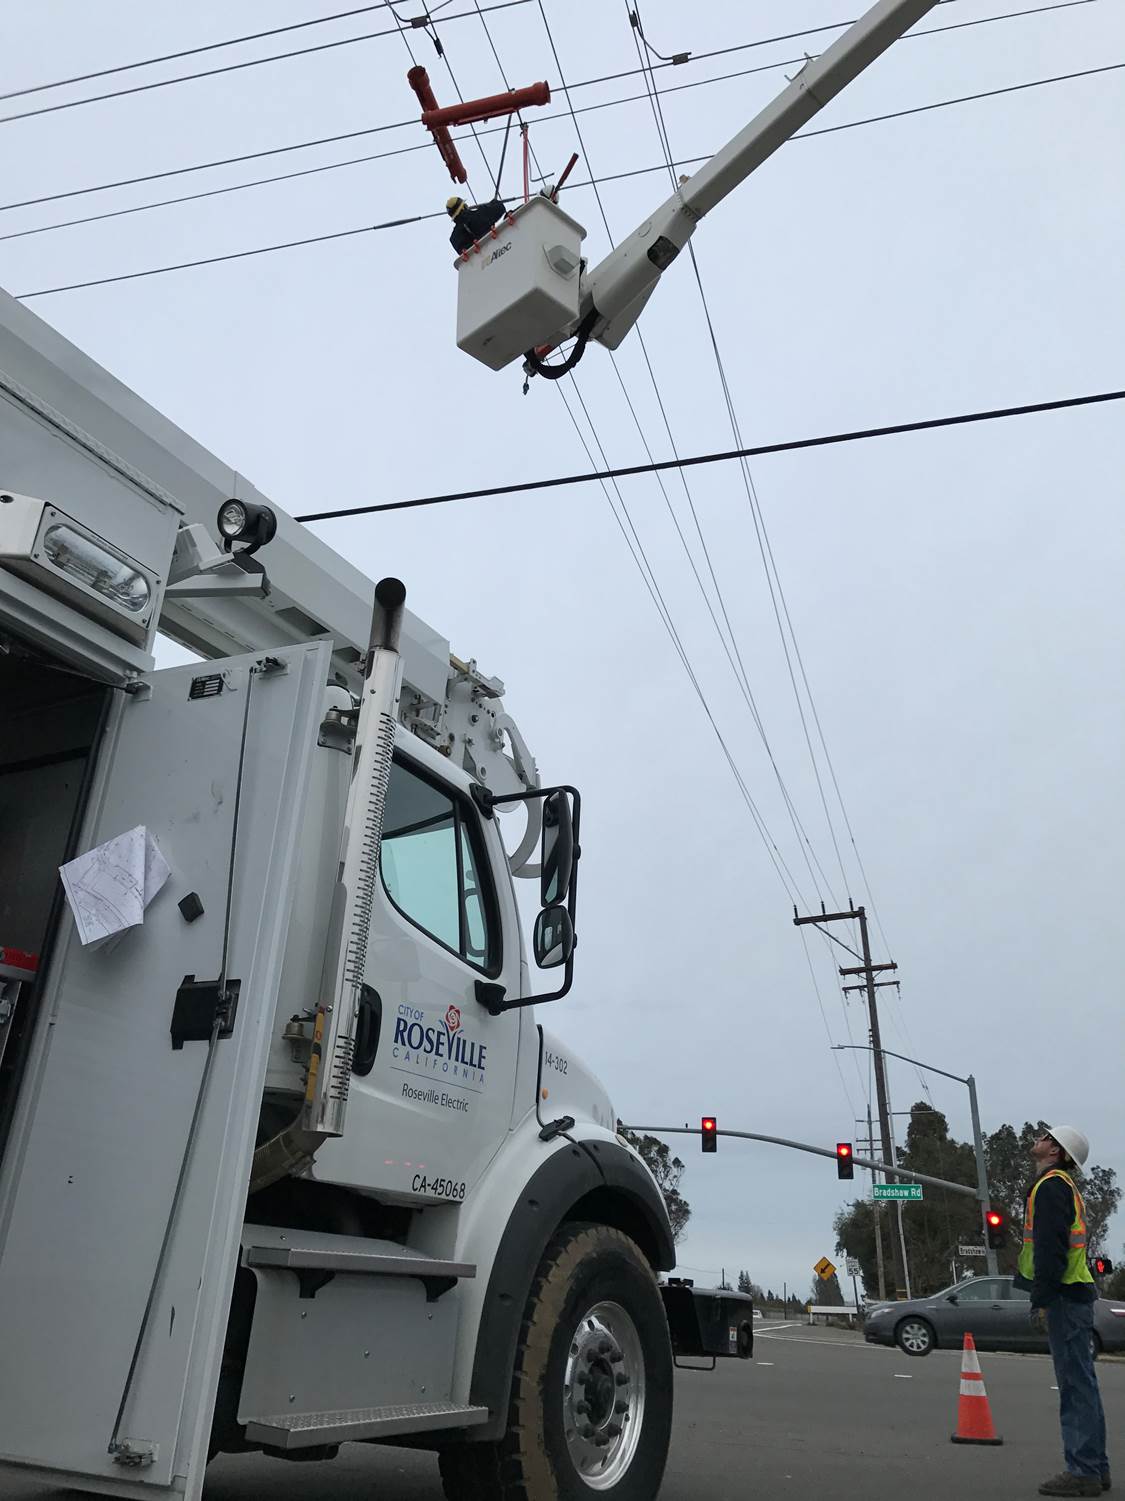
(288, 1161)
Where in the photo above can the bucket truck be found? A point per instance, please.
(287, 1159)
(525, 287)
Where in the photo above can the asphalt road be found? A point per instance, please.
(817, 1413)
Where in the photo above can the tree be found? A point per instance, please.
(827, 1293)
(744, 1283)
(944, 1220)
(667, 1170)
(1008, 1158)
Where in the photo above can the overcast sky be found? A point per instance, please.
(956, 597)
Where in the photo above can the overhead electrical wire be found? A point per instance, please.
(658, 596)
(234, 41)
(755, 511)
(639, 554)
(410, 123)
(253, 62)
(521, 487)
(589, 183)
(751, 495)
(743, 682)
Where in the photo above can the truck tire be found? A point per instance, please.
(591, 1404)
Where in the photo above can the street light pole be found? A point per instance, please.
(982, 1177)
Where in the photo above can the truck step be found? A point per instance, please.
(302, 1430)
(311, 1250)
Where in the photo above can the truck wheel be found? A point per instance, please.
(591, 1404)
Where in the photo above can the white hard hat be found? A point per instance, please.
(1073, 1143)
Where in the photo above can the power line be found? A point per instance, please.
(624, 471)
(761, 533)
(565, 88)
(170, 57)
(589, 183)
(743, 683)
(640, 557)
(253, 62)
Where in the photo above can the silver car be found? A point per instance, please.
(994, 1312)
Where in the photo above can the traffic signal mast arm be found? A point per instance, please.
(620, 285)
(804, 1146)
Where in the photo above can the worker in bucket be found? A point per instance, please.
(1052, 1267)
(471, 224)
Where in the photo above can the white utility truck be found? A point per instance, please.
(285, 1158)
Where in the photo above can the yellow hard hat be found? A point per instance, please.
(454, 206)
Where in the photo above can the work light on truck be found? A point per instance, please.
(241, 521)
(50, 549)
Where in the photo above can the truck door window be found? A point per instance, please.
(434, 868)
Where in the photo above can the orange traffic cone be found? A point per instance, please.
(974, 1416)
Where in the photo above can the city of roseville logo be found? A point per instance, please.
(444, 1049)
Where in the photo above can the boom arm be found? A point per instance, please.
(621, 284)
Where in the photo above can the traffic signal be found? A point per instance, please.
(845, 1167)
(997, 1227)
(709, 1133)
(1103, 1266)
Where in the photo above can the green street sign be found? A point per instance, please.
(897, 1190)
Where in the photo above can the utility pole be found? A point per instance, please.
(869, 971)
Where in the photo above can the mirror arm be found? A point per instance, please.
(492, 996)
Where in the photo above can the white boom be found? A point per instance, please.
(619, 286)
(527, 293)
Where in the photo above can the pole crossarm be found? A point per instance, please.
(867, 969)
(804, 1146)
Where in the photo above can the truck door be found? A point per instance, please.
(434, 1105)
(136, 1124)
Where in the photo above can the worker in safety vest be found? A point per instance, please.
(1052, 1266)
(472, 223)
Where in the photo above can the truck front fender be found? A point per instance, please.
(596, 1181)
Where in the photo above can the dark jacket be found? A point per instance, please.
(1054, 1215)
(471, 224)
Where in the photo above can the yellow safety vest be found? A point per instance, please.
(1076, 1267)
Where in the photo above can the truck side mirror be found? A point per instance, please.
(557, 851)
(553, 939)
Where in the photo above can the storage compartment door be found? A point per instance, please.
(213, 761)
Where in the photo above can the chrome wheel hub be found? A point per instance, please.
(915, 1337)
(603, 1395)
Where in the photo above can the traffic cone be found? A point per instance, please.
(974, 1416)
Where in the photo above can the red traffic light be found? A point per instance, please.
(709, 1128)
(994, 1218)
(843, 1149)
(845, 1167)
(996, 1225)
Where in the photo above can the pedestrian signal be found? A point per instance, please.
(845, 1166)
(1103, 1266)
(997, 1230)
(709, 1133)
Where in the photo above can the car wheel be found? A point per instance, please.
(915, 1337)
(591, 1405)
(1095, 1345)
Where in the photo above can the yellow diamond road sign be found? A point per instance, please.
(824, 1269)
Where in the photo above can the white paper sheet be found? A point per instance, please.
(109, 887)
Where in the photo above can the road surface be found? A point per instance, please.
(816, 1413)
